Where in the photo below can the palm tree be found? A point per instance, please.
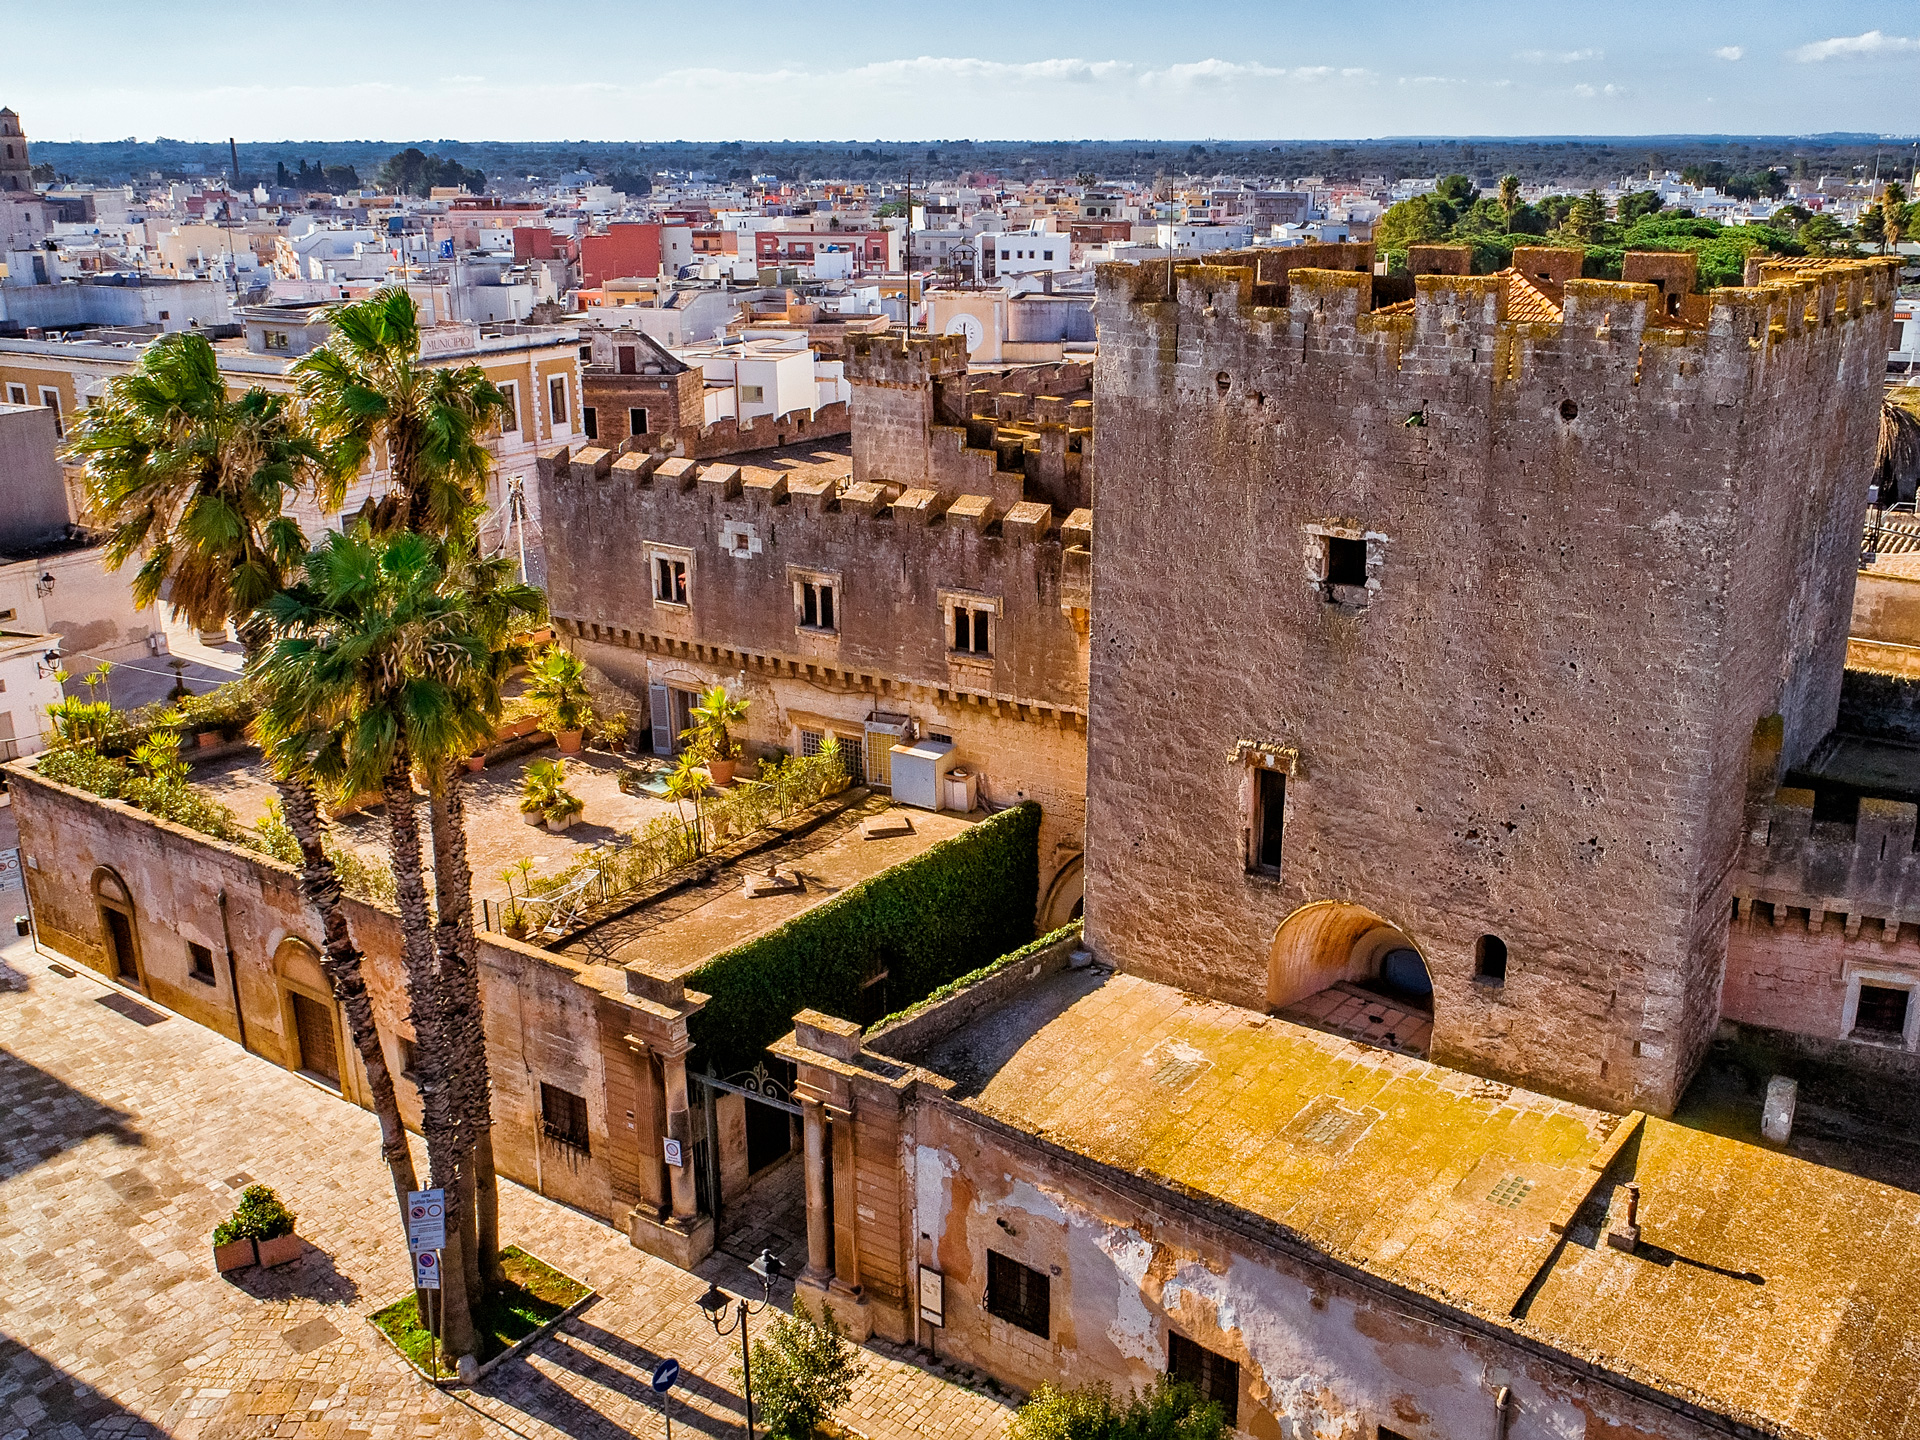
(197, 482)
(685, 782)
(374, 672)
(368, 397)
(1509, 197)
(497, 607)
(1898, 455)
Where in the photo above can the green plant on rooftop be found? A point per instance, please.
(923, 921)
(1168, 1409)
(558, 684)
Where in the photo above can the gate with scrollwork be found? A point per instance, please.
(769, 1103)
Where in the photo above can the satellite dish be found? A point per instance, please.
(969, 326)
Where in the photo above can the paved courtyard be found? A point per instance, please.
(128, 1136)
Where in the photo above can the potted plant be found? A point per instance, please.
(260, 1230)
(564, 810)
(540, 787)
(515, 920)
(476, 762)
(710, 733)
(560, 686)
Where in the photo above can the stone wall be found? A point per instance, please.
(897, 561)
(548, 1019)
(1598, 550)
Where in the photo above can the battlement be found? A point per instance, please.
(1869, 869)
(671, 484)
(904, 359)
(1650, 324)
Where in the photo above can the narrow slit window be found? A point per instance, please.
(1269, 819)
(636, 421)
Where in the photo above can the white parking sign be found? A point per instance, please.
(426, 1271)
(426, 1220)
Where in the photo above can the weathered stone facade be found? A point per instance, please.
(1600, 543)
(899, 563)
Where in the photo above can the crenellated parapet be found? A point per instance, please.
(1800, 867)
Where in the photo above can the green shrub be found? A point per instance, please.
(1168, 1409)
(925, 921)
(360, 878)
(170, 798)
(258, 1216)
(1068, 931)
(803, 1370)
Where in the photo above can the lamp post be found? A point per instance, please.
(714, 1302)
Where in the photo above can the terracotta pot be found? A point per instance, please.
(569, 740)
(476, 763)
(721, 771)
(207, 739)
(563, 822)
(236, 1255)
(283, 1251)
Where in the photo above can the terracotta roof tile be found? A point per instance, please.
(1528, 301)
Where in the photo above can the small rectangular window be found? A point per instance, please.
(51, 399)
(973, 630)
(510, 411)
(1017, 1294)
(590, 421)
(1215, 1377)
(628, 360)
(563, 1116)
(752, 394)
(16, 394)
(1346, 561)
(636, 421)
(816, 604)
(200, 963)
(557, 401)
(1269, 818)
(669, 580)
(1882, 1010)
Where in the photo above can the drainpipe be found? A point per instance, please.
(1502, 1412)
(233, 971)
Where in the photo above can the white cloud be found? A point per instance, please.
(1729, 52)
(1847, 47)
(1602, 92)
(1559, 57)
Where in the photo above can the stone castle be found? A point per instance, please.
(1449, 625)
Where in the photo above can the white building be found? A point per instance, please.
(764, 374)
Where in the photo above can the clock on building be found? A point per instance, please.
(969, 326)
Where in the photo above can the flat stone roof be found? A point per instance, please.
(675, 933)
(1765, 1286)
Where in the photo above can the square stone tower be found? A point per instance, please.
(1445, 627)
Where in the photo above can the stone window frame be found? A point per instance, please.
(655, 552)
(732, 532)
(952, 600)
(1253, 756)
(1317, 552)
(799, 576)
(1885, 978)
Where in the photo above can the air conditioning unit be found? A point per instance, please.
(920, 771)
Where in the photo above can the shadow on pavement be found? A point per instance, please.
(47, 1117)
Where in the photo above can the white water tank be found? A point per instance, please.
(963, 790)
(919, 772)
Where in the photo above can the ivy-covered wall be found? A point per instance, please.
(925, 922)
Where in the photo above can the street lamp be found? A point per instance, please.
(714, 1302)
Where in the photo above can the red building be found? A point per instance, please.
(774, 247)
(626, 248)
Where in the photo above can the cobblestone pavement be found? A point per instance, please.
(127, 1138)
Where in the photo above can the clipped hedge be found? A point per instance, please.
(926, 921)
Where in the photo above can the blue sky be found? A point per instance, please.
(599, 70)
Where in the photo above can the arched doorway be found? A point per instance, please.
(309, 1016)
(119, 934)
(1065, 898)
(1339, 966)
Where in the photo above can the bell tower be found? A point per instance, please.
(16, 174)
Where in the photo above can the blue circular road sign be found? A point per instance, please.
(664, 1374)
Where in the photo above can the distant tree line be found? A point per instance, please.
(1576, 163)
(1456, 213)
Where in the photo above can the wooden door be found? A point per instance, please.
(313, 1026)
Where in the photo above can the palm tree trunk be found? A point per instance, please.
(459, 955)
(436, 1049)
(340, 959)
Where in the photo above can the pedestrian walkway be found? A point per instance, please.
(129, 1134)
